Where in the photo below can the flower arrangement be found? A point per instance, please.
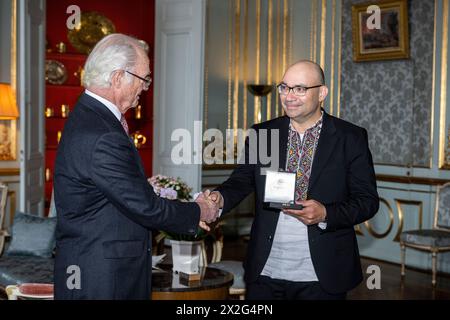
(170, 188)
(175, 189)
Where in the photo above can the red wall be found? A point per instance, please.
(132, 17)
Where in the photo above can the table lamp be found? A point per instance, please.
(8, 106)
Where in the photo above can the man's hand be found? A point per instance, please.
(217, 198)
(313, 212)
(209, 210)
(204, 226)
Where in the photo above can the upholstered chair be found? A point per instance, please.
(433, 240)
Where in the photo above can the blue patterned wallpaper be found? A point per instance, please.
(392, 99)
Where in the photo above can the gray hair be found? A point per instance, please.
(114, 52)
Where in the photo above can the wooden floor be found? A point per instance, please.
(416, 284)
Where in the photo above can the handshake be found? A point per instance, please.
(210, 204)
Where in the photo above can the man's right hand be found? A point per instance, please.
(217, 198)
(209, 210)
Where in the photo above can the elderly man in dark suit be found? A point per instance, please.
(310, 253)
(105, 206)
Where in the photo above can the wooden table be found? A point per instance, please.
(213, 285)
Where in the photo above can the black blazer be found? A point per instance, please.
(106, 208)
(342, 179)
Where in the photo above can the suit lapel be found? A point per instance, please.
(325, 147)
(284, 133)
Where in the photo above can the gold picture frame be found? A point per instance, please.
(389, 41)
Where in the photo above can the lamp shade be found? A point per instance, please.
(8, 106)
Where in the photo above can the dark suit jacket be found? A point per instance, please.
(105, 209)
(342, 179)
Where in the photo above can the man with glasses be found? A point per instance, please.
(310, 253)
(105, 206)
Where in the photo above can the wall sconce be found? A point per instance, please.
(259, 90)
(8, 106)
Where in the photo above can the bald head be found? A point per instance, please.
(302, 91)
(313, 69)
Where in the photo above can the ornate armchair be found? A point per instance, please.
(432, 240)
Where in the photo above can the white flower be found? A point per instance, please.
(168, 193)
(170, 188)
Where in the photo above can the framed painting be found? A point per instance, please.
(8, 140)
(380, 31)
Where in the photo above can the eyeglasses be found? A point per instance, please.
(299, 91)
(147, 80)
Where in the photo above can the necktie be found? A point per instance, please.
(124, 124)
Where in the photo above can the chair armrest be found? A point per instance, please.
(3, 235)
(12, 291)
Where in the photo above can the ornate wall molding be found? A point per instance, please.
(401, 215)
(383, 234)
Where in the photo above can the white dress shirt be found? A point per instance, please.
(111, 106)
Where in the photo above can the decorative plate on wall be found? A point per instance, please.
(55, 72)
(92, 28)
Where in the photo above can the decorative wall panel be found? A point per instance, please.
(392, 99)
